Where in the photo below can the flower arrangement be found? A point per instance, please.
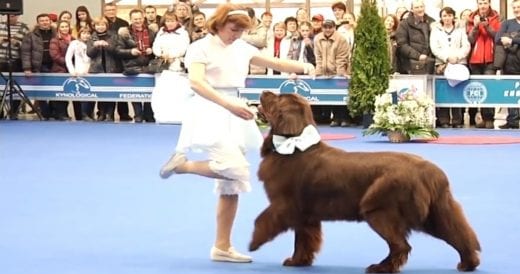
(408, 112)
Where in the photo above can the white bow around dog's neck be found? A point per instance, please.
(309, 137)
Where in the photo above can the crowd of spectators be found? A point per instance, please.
(78, 43)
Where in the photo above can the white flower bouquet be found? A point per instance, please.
(411, 115)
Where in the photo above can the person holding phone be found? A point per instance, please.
(482, 26)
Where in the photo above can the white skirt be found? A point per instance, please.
(206, 125)
(170, 96)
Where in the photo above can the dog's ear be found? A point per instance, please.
(307, 112)
(291, 124)
(295, 114)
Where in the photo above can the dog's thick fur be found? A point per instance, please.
(393, 192)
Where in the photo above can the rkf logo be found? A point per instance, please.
(475, 93)
(299, 87)
(76, 85)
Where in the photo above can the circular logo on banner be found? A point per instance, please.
(295, 86)
(475, 93)
(76, 85)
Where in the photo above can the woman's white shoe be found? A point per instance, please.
(168, 169)
(231, 255)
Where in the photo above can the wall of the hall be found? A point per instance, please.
(34, 7)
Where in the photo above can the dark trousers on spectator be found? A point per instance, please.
(513, 114)
(488, 114)
(86, 109)
(122, 109)
(143, 110)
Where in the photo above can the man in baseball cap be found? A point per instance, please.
(318, 17)
(317, 22)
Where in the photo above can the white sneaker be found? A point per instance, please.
(231, 255)
(168, 169)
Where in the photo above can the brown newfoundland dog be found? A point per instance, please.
(393, 192)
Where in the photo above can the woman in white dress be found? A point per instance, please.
(218, 64)
(170, 44)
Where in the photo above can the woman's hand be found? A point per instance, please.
(239, 108)
(453, 60)
(309, 70)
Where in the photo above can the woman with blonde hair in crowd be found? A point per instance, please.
(347, 27)
(305, 29)
(274, 44)
(302, 15)
(183, 12)
(57, 49)
(78, 64)
(218, 65)
(101, 49)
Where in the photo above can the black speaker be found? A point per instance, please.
(14, 7)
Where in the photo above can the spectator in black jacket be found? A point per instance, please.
(413, 41)
(114, 24)
(308, 50)
(508, 39)
(134, 47)
(36, 58)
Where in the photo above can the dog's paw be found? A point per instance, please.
(288, 262)
(382, 268)
(470, 263)
(291, 262)
(466, 267)
(254, 246)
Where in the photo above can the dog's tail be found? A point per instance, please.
(446, 221)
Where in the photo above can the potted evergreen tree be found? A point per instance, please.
(370, 63)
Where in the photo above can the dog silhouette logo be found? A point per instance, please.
(76, 85)
(297, 86)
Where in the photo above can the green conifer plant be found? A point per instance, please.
(371, 63)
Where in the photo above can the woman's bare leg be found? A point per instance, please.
(226, 211)
(178, 164)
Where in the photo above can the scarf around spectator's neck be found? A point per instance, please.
(174, 30)
(66, 37)
(277, 42)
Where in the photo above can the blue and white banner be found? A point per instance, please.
(93, 87)
(318, 91)
(481, 91)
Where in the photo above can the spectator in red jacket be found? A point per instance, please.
(482, 26)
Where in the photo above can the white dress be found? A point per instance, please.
(205, 124)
